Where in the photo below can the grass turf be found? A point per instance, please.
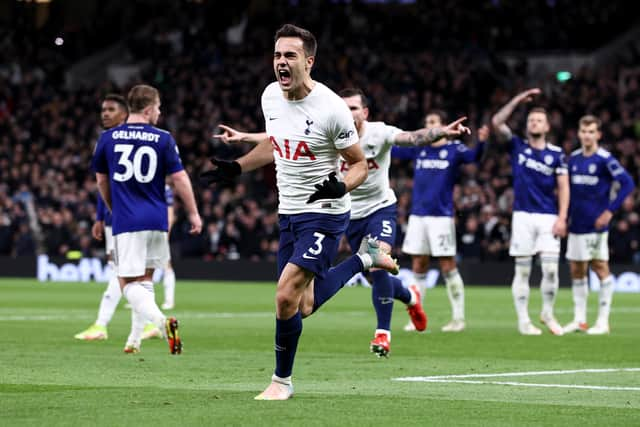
(48, 378)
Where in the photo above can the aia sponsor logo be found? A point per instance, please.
(292, 150)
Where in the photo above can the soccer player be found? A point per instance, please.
(539, 216)
(592, 171)
(131, 162)
(431, 230)
(307, 128)
(374, 212)
(114, 112)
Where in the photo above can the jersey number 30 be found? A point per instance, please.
(133, 168)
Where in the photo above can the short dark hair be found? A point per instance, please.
(440, 113)
(309, 43)
(590, 119)
(141, 96)
(354, 91)
(118, 99)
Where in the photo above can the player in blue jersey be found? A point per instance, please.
(539, 215)
(592, 172)
(308, 127)
(131, 162)
(431, 228)
(114, 112)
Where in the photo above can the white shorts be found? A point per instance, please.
(430, 235)
(108, 239)
(532, 233)
(589, 246)
(139, 250)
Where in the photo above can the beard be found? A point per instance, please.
(536, 135)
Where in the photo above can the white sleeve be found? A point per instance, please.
(341, 129)
(390, 133)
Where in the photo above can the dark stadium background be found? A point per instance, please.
(212, 59)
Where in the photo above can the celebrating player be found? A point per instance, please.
(539, 217)
(307, 128)
(131, 162)
(373, 208)
(592, 171)
(431, 229)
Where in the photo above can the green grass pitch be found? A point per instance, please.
(48, 378)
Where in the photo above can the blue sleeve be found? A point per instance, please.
(173, 163)
(404, 153)
(513, 143)
(99, 160)
(619, 174)
(471, 155)
(100, 208)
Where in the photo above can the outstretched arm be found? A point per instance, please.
(499, 119)
(230, 135)
(426, 136)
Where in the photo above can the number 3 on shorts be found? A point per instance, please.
(317, 246)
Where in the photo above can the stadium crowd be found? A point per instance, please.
(207, 77)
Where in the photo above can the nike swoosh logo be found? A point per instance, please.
(273, 118)
(305, 256)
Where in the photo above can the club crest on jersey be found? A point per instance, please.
(548, 159)
(307, 131)
(301, 149)
(574, 168)
(592, 168)
(527, 151)
(443, 154)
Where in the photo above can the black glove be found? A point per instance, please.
(329, 189)
(224, 173)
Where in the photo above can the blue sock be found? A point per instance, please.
(287, 335)
(326, 287)
(399, 291)
(382, 298)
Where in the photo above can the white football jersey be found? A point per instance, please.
(306, 136)
(375, 193)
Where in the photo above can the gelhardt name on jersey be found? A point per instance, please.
(136, 134)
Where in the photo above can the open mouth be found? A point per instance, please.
(284, 76)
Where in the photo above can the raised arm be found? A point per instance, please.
(426, 136)
(499, 120)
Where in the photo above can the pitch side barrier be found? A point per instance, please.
(57, 269)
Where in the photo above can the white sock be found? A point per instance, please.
(549, 283)
(580, 290)
(367, 261)
(137, 327)
(285, 381)
(420, 279)
(140, 296)
(455, 291)
(520, 288)
(109, 303)
(169, 282)
(606, 295)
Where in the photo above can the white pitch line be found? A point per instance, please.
(518, 384)
(518, 374)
